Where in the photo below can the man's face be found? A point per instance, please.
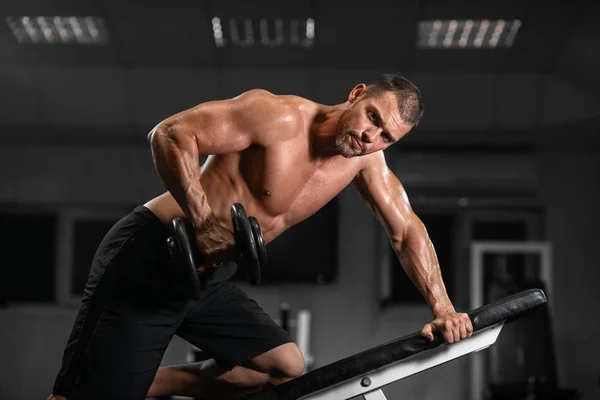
(370, 124)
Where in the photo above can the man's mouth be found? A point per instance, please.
(355, 143)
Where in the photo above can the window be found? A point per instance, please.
(452, 226)
(87, 235)
(80, 233)
(28, 253)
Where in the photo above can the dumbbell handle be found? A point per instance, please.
(249, 243)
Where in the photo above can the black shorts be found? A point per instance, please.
(132, 306)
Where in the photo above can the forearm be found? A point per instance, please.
(176, 159)
(418, 258)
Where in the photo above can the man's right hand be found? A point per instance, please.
(215, 241)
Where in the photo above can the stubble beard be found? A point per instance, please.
(341, 138)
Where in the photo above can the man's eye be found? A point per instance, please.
(372, 116)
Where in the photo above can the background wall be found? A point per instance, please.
(346, 316)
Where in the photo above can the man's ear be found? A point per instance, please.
(356, 93)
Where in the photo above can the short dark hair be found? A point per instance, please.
(410, 100)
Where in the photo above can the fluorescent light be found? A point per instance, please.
(218, 32)
(58, 30)
(513, 30)
(271, 32)
(310, 30)
(269, 38)
(467, 34)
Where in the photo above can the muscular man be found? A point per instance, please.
(283, 158)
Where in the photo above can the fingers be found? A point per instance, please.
(453, 327)
(465, 326)
(468, 326)
(449, 332)
(216, 245)
(456, 327)
(427, 332)
(463, 331)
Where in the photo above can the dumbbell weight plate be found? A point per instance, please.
(248, 259)
(261, 248)
(183, 256)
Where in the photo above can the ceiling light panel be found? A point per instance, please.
(467, 34)
(265, 32)
(59, 30)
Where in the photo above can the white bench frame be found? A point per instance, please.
(370, 385)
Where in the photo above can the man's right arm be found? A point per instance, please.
(177, 144)
(216, 127)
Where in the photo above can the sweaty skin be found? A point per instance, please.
(283, 158)
(261, 157)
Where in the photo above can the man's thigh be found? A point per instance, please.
(125, 350)
(127, 317)
(230, 327)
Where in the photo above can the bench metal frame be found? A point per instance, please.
(370, 385)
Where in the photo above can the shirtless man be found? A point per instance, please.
(283, 158)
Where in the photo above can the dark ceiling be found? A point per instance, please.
(557, 38)
(373, 34)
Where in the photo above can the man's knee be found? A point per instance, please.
(289, 363)
(280, 364)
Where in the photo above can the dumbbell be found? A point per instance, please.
(251, 253)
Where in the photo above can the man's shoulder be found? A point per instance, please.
(274, 105)
(276, 116)
(275, 102)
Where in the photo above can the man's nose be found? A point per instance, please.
(368, 136)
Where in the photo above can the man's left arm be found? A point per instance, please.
(386, 197)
